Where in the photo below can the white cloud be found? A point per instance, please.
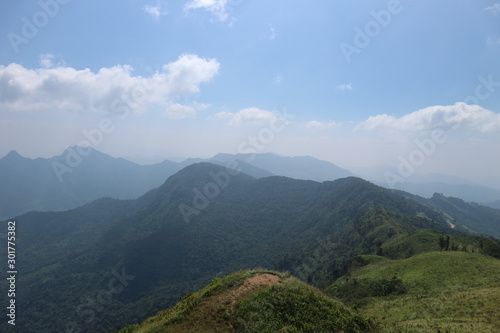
(272, 32)
(216, 7)
(180, 111)
(457, 116)
(248, 115)
(46, 60)
(345, 87)
(154, 11)
(185, 75)
(317, 125)
(69, 89)
(494, 9)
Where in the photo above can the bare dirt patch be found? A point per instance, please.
(250, 285)
(209, 316)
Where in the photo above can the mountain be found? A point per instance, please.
(474, 193)
(428, 184)
(72, 179)
(256, 301)
(299, 167)
(485, 220)
(231, 162)
(79, 176)
(495, 204)
(112, 262)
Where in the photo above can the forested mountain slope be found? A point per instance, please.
(111, 263)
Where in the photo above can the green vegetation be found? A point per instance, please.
(191, 302)
(485, 220)
(297, 307)
(238, 303)
(426, 240)
(446, 291)
(52, 185)
(307, 228)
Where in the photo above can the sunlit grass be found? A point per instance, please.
(445, 292)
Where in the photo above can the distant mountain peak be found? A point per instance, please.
(12, 155)
(298, 167)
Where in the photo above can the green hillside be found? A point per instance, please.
(71, 259)
(256, 301)
(430, 292)
(403, 246)
(485, 220)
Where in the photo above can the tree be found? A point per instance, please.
(442, 243)
(491, 248)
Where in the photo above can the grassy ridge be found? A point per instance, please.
(446, 291)
(288, 305)
(296, 307)
(403, 246)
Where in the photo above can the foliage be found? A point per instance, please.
(479, 218)
(352, 288)
(458, 291)
(291, 306)
(296, 307)
(310, 229)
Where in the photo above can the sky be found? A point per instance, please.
(410, 84)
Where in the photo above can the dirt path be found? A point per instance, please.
(208, 317)
(250, 285)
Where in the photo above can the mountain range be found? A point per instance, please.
(71, 180)
(428, 184)
(79, 176)
(112, 263)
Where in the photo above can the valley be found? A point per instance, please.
(151, 256)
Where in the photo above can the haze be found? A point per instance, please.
(359, 84)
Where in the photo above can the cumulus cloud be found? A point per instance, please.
(216, 7)
(69, 89)
(345, 87)
(154, 11)
(317, 125)
(248, 115)
(459, 115)
(494, 9)
(185, 75)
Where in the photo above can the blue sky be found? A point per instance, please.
(357, 83)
